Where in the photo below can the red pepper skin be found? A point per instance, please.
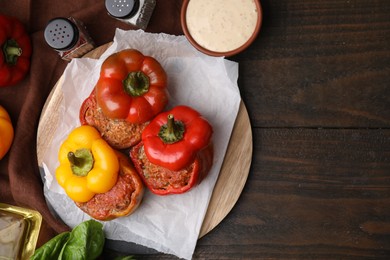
(200, 168)
(14, 35)
(119, 133)
(84, 107)
(148, 97)
(178, 155)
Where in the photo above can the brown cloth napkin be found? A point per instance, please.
(20, 181)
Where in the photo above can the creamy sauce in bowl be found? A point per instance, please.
(221, 25)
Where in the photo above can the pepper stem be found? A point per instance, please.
(172, 131)
(11, 51)
(81, 162)
(136, 83)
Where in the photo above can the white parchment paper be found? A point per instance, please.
(169, 224)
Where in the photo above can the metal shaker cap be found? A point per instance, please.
(122, 8)
(61, 34)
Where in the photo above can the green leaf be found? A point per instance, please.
(124, 258)
(86, 241)
(52, 248)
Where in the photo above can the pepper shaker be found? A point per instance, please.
(134, 12)
(68, 37)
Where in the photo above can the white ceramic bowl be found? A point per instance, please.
(215, 52)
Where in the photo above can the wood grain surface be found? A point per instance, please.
(317, 90)
(319, 64)
(316, 87)
(234, 170)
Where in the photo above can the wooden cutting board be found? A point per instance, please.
(234, 170)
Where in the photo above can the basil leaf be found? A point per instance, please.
(52, 248)
(86, 241)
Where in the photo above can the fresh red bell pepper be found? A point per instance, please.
(176, 151)
(15, 51)
(131, 86)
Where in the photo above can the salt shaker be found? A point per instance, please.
(134, 12)
(69, 37)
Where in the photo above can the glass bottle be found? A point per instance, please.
(134, 12)
(69, 37)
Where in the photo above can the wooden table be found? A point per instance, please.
(317, 89)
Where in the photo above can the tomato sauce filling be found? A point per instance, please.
(159, 177)
(115, 200)
(117, 132)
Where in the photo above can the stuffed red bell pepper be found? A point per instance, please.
(130, 91)
(15, 51)
(131, 86)
(176, 152)
(119, 133)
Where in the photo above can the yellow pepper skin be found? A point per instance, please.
(80, 177)
(6, 132)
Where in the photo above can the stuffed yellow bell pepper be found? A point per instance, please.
(88, 165)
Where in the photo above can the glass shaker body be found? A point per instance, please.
(69, 37)
(134, 12)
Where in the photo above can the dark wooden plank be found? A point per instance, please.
(314, 193)
(319, 63)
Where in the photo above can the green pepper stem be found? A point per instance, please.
(15, 51)
(11, 51)
(136, 83)
(172, 131)
(72, 159)
(81, 162)
(171, 124)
